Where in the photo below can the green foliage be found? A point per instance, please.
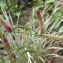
(2, 59)
(13, 8)
(38, 2)
(49, 1)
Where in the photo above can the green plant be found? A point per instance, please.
(26, 42)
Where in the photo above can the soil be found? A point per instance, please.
(25, 19)
(61, 3)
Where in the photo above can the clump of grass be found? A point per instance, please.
(26, 42)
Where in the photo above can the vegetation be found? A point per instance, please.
(39, 40)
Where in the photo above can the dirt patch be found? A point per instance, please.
(61, 3)
(26, 17)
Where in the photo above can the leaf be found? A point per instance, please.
(1, 35)
(22, 15)
(3, 2)
(1, 46)
(20, 48)
(37, 2)
(16, 14)
(2, 59)
(49, 1)
(20, 7)
(60, 10)
(31, 51)
(12, 5)
(22, 27)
